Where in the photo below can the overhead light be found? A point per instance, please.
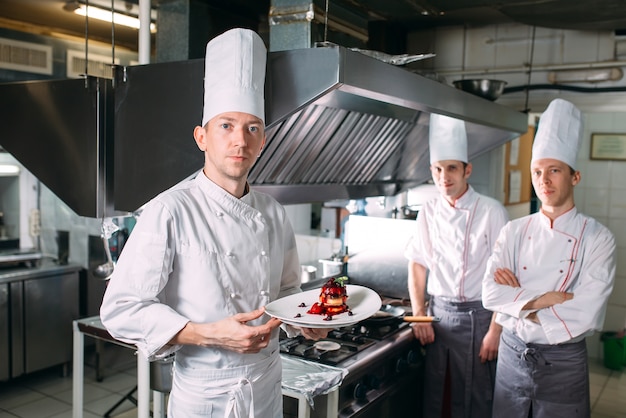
(9, 170)
(94, 12)
(591, 75)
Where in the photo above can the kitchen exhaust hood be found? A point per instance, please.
(343, 125)
(340, 125)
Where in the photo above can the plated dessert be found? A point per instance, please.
(335, 304)
(332, 299)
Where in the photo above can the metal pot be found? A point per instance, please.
(485, 88)
(307, 273)
(161, 374)
(410, 212)
(332, 267)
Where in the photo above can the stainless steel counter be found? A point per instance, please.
(37, 306)
(44, 268)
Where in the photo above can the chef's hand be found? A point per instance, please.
(506, 277)
(489, 345)
(424, 332)
(533, 317)
(546, 300)
(315, 333)
(230, 333)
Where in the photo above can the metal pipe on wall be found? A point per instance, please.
(144, 31)
(536, 68)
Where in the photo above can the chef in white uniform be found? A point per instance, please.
(549, 278)
(207, 255)
(454, 237)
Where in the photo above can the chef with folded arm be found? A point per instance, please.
(549, 278)
(207, 255)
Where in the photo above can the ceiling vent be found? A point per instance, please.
(99, 65)
(25, 56)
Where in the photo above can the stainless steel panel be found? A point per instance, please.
(16, 303)
(157, 108)
(92, 289)
(57, 129)
(5, 345)
(377, 257)
(50, 305)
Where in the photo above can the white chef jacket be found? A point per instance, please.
(454, 243)
(199, 254)
(575, 253)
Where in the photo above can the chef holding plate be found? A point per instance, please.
(208, 254)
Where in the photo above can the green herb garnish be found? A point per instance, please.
(340, 280)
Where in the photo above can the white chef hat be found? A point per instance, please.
(234, 74)
(447, 139)
(559, 134)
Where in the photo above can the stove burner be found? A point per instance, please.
(327, 345)
(307, 349)
(351, 340)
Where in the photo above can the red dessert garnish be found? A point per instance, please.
(332, 299)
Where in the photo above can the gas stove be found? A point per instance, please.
(384, 366)
(350, 341)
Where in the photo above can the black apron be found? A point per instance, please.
(552, 381)
(458, 337)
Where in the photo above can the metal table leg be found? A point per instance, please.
(78, 366)
(158, 404)
(332, 403)
(143, 386)
(93, 327)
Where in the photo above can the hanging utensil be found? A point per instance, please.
(104, 271)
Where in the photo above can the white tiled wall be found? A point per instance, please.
(505, 51)
(602, 194)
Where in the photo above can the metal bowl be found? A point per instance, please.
(485, 88)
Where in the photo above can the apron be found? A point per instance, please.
(552, 381)
(458, 337)
(248, 391)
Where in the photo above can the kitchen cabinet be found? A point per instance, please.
(37, 307)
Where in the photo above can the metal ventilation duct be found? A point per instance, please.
(340, 125)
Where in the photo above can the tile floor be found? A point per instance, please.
(48, 394)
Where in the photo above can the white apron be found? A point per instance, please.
(237, 392)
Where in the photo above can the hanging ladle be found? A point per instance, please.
(104, 271)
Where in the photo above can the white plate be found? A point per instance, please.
(362, 301)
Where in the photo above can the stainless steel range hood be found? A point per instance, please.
(344, 125)
(340, 125)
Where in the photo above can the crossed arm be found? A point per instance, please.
(506, 277)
